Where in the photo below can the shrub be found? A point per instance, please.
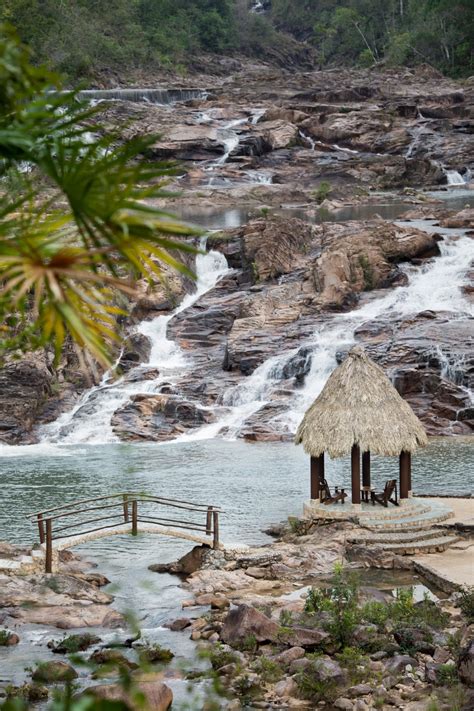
(220, 657)
(74, 643)
(447, 674)
(322, 191)
(367, 271)
(339, 599)
(156, 655)
(466, 603)
(310, 688)
(269, 671)
(4, 638)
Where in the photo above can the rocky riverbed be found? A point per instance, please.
(291, 624)
(293, 154)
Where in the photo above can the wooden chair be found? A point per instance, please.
(325, 495)
(386, 495)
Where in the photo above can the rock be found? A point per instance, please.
(155, 655)
(308, 638)
(343, 704)
(24, 388)
(244, 621)
(219, 603)
(371, 556)
(112, 658)
(136, 350)
(398, 663)
(441, 655)
(8, 639)
(324, 668)
(289, 655)
(360, 690)
(360, 705)
(157, 695)
(70, 617)
(179, 624)
(74, 643)
(157, 418)
(53, 672)
(188, 564)
(286, 688)
(466, 664)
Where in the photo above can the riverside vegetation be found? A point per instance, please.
(339, 646)
(150, 33)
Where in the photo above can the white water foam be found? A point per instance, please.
(90, 419)
(436, 285)
(455, 178)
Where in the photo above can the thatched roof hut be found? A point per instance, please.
(359, 409)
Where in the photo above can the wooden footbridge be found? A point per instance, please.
(117, 514)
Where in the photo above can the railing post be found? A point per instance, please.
(215, 518)
(125, 508)
(49, 547)
(41, 527)
(134, 518)
(209, 521)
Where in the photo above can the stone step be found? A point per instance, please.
(437, 514)
(401, 536)
(433, 545)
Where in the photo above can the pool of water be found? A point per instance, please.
(256, 484)
(388, 207)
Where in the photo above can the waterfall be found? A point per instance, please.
(435, 285)
(453, 177)
(164, 97)
(308, 139)
(89, 421)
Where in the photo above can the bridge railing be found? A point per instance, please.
(69, 520)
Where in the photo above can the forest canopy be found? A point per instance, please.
(83, 37)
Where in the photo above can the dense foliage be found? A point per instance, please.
(82, 37)
(73, 220)
(440, 32)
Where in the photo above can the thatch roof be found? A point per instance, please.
(359, 405)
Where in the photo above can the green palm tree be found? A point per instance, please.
(75, 216)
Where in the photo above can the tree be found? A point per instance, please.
(77, 221)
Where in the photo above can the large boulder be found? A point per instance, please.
(53, 672)
(157, 695)
(24, 388)
(244, 621)
(157, 418)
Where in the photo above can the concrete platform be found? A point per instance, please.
(450, 570)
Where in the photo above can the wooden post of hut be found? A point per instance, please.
(355, 474)
(405, 474)
(317, 475)
(359, 410)
(366, 483)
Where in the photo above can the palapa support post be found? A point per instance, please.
(134, 518)
(317, 475)
(366, 484)
(48, 563)
(355, 474)
(366, 469)
(41, 527)
(209, 521)
(125, 508)
(215, 522)
(405, 474)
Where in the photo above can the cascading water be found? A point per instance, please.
(89, 421)
(436, 285)
(164, 97)
(453, 177)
